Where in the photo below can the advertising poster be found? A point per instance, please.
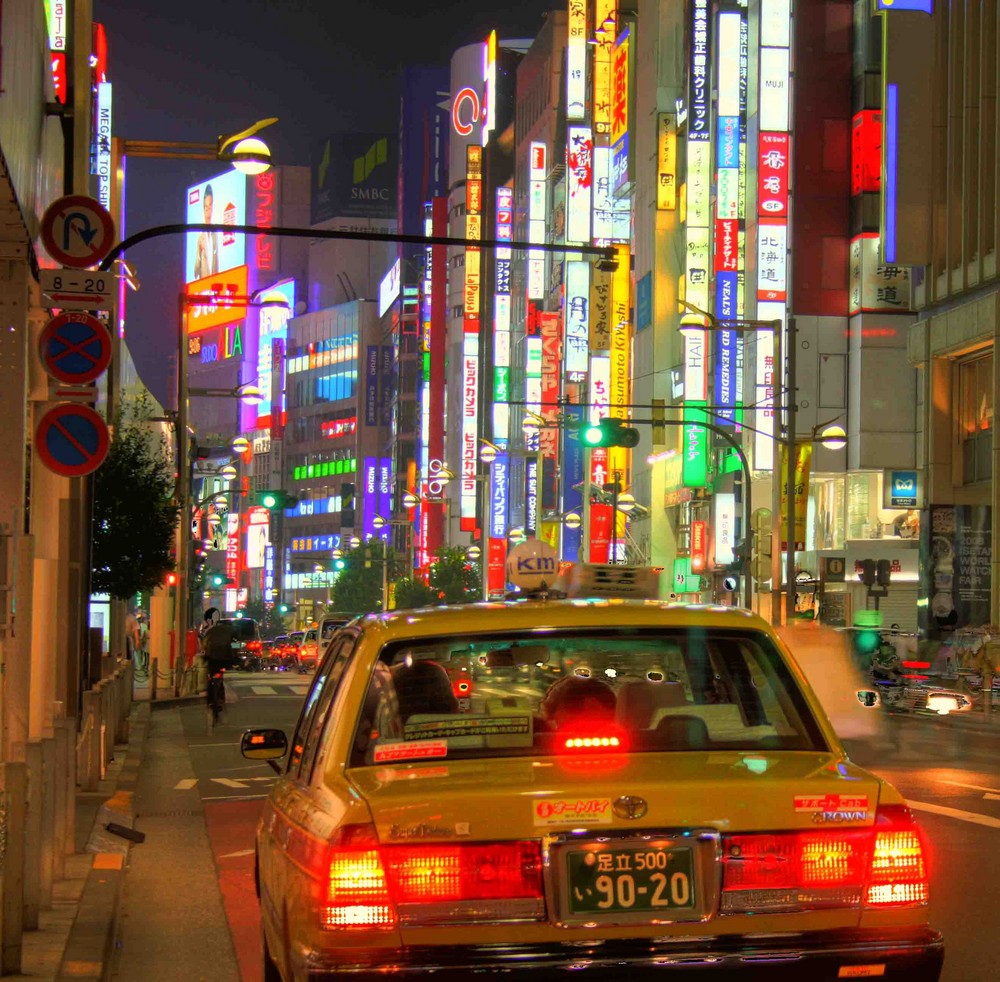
(354, 175)
(954, 568)
(220, 201)
(803, 460)
(273, 326)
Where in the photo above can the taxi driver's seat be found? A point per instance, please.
(640, 701)
(423, 688)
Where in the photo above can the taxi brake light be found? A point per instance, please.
(898, 875)
(596, 737)
(480, 871)
(357, 895)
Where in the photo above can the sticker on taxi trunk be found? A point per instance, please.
(860, 971)
(410, 750)
(573, 811)
(460, 726)
(833, 808)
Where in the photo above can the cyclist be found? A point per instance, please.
(217, 650)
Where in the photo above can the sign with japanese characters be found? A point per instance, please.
(666, 162)
(579, 182)
(875, 285)
(699, 89)
(772, 175)
(772, 259)
(576, 59)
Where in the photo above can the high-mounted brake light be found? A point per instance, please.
(586, 736)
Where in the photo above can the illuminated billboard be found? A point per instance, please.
(576, 60)
(579, 182)
(219, 201)
(536, 219)
(225, 296)
(470, 429)
(354, 176)
(273, 327)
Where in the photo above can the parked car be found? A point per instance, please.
(246, 643)
(675, 800)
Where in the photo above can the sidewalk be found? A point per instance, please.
(76, 937)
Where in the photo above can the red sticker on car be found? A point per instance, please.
(573, 811)
(410, 750)
(831, 802)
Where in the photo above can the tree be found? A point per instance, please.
(453, 578)
(358, 587)
(135, 513)
(269, 619)
(412, 592)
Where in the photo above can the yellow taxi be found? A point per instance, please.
(627, 789)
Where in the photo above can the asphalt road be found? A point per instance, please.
(947, 769)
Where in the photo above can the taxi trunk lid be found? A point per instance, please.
(515, 798)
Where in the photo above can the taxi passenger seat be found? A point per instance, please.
(423, 687)
(639, 701)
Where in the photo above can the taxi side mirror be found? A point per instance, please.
(264, 744)
(868, 698)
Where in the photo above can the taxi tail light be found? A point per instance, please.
(794, 870)
(898, 875)
(587, 739)
(882, 866)
(356, 892)
(467, 872)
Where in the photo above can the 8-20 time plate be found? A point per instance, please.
(655, 879)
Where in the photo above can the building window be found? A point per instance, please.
(975, 418)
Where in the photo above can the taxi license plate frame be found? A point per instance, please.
(701, 849)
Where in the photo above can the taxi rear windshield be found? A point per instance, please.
(539, 694)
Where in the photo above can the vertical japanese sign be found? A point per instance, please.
(621, 350)
(537, 170)
(232, 546)
(773, 170)
(550, 329)
(604, 14)
(803, 460)
(102, 157)
(577, 289)
(666, 162)
(579, 182)
(473, 230)
(619, 112)
(576, 60)
(501, 316)
(470, 429)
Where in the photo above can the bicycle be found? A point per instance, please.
(215, 696)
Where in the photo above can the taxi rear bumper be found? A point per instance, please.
(915, 956)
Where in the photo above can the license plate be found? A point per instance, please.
(643, 880)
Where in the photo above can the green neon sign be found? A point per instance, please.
(694, 447)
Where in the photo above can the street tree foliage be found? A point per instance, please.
(358, 588)
(413, 592)
(269, 619)
(135, 513)
(453, 578)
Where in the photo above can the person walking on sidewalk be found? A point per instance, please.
(131, 635)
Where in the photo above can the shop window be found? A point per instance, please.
(975, 418)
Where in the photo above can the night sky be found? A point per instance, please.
(190, 70)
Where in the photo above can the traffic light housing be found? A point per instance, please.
(868, 572)
(347, 505)
(610, 431)
(340, 564)
(219, 579)
(883, 572)
(276, 500)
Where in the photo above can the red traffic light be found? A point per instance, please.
(171, 579)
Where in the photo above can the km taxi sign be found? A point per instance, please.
(77, 231)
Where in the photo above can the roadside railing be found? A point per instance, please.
(103, 724)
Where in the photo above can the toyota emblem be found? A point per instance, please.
(630, 806)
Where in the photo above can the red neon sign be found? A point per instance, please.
(866, 151)
(699, 547)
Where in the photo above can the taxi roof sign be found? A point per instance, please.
(533, 566)
(623, 582)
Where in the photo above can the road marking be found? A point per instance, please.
(186, 785)
(300, 690)
(972, 787)
(962, 816)
(263, 690)
(236, 797)
(991, 797)
(236, 855)
(229, 782)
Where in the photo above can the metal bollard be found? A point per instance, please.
(153, 677)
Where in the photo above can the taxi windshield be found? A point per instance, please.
(546, 693)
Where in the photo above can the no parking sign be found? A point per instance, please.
(72, 440)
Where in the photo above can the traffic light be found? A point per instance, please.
(659, 421)
(276, 500)
(610, 431)
(340, 564)
(347, 505)
(171, 579)
(867, 574)
(219, 579)
(883, 572)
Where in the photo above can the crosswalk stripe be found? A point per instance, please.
(962, 816)
(299, 690)
(263, 690)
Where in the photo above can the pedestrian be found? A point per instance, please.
(142, 652)
(131, 634)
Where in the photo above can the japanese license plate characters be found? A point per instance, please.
(649, 879)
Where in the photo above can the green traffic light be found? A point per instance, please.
(269, 499)
(339, 564)
(593, 436)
